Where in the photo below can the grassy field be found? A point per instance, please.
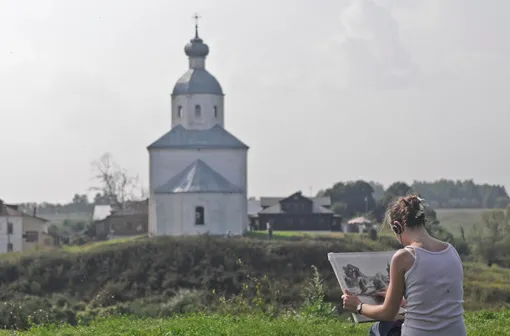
(279, 235)
(453, 219)
(484, 323)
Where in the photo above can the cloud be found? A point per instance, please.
(373, 52)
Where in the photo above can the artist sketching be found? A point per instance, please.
(427, 271)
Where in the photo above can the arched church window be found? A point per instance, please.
(199, 215)
(216, 111)
(179, 111)
(198, 111)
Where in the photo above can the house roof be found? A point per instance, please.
(132, 208)
(254, 207)
(9, 210)
(276, 209)
(101, 212)
(360, 220)
(198, 177)
(215, 137)
(270, 201)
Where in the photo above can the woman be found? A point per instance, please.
(427, 271)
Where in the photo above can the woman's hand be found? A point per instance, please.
(350, 302)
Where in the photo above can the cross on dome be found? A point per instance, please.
(196, 17)
(196, 48)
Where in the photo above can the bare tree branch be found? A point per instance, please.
(114, 182)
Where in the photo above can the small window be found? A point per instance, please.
(31, 236)
(198, 111)
(179, 111)
(199, 216)
(9, 247)
(216, 111)
(9, 228)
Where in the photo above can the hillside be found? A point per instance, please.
(161, 276)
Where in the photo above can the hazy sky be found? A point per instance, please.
(322, 91)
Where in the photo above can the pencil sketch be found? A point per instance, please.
(363, 274)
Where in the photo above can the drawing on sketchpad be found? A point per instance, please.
(363, 274)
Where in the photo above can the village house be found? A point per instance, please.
(295, 213)
(131, 220)
(20, 231)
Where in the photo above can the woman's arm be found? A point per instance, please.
(383, 295)
(388, 311)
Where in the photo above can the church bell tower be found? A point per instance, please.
(197, 97)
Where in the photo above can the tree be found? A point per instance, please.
(378, 189)
(490, 238)
(398, 189)
(116, 185)
(80, 199)
(351, 198)
(445, 193)
(100, 199)
(395, 190)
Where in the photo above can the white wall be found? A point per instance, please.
(176, 214)
(166, 163)
(207, 103)
(15, 237)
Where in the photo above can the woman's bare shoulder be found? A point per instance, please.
(403, 259)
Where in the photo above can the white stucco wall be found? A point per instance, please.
(176, 214)
(15, 237)
(207, 103)
(166, 163)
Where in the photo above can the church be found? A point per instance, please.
(198, 170)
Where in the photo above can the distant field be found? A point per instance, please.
(454, 219)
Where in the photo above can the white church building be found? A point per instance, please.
(198, 170)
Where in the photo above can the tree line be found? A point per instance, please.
(371, 198)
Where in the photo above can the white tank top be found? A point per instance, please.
(434, 293)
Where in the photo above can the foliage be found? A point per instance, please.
(491, 238)
(314, 298)
(445, 193)
(355, 197)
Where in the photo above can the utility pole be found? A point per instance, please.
(9, 225)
